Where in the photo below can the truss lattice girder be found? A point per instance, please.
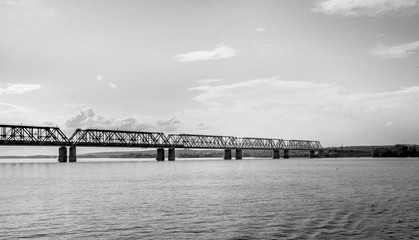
(228, 142)
(32, 135)
(109, 138)
(303, 144)
(52, 136)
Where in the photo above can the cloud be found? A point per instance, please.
(250, 92)
(201, 126)
(354, 8)
(395, 51)
(169, 125)
(266, 29)
(14, 114)
(112, 85)
(261, 29)
(220, 52)
(88, 119)
(6, 108)
(18, 88)
(308, 110)
(277, 108)
(17, 3)
(32, 6)
(209, 81)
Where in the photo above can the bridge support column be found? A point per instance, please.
(312, 154)
(171, 154)
(73, 156)
(239, 154)
(160, 154)
(62, 154)
(227, 154)
(275, 154)
(286, 153)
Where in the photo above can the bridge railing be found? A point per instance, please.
(32, 135)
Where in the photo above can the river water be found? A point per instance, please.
(210, 199)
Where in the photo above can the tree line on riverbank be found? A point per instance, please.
(398, 150)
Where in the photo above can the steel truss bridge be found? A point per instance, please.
(53, 136)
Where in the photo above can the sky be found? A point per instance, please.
(344, 72)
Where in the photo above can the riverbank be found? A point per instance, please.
(398, 150)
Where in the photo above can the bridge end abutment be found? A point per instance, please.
(62, 154)
(227, 154)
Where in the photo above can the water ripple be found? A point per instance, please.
(250, 199)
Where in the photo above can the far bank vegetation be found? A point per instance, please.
(399, 150)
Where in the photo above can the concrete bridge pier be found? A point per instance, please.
(312, 154)
(160, 154)
(275, 154)
(227, 154)
(73, 156)
(239, 154)
(286, 153)
(62, 154)
(171, 154)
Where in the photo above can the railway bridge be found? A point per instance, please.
(19, 135)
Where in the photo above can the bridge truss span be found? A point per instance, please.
(203, 141)
(116, 138)
(303, 145)
(32, 135)
(229, 142)
(261, 143)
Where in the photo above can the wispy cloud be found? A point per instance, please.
(37, 7)
(294, 109)
(395, 51)
(355, 8)
(266, 29)
(220, 52)
(11, 108)
(16, 3)
(18, 88)
(112, 85)
(209, 81)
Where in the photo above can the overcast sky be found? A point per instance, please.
(339, 71)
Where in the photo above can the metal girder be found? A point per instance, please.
(229, 142)
(303, 145)
(53, 136)
(115, 138)
(203, 141)
(32, 135)
(262, 143)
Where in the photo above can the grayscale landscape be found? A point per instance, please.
(209, 119)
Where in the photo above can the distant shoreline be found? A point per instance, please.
(399, 150)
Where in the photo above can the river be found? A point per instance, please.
(210, 199)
